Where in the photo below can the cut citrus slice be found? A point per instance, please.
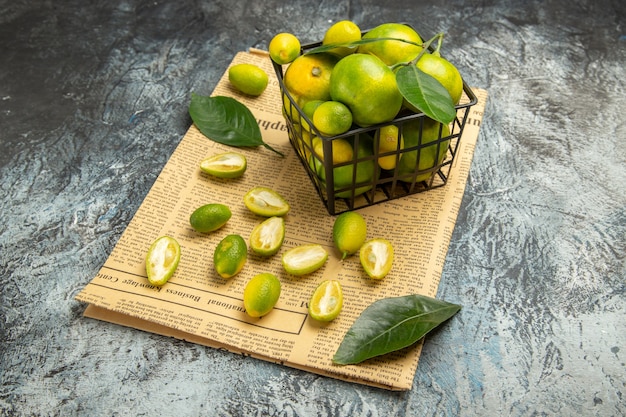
(162, 260)
(267, 237)
(327, 301)
(304, 259)
(265, 202)
(376, 257)
(225, 165)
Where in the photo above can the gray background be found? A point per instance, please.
(93, 100)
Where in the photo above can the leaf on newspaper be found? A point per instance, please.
(227, 121)
(425, 93)
(391, 324)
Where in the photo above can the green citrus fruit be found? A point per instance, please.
(265, 202)
(444, 72)
(341, 149)
(308, 77)
(342, 32)
(304, 259)
(284, 48)
(261, 294)
(267, 237)
(332, 118)
(248, 78)
(225, 165)
(309, 109)
(429, 156)
(349, 233)
(389, 140)
(344, 177)
(162, 260)
(327, 301)
(392, 52)
(368, 87)
(230, 256)
(376, 257)
(209, 217)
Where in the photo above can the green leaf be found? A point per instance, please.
(226, 120)
(426, 94)
(391, 324)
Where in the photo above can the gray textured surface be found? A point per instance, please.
(93, 100)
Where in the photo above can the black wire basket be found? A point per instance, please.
(361, 182)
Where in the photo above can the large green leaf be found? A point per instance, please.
(391, 324)
(425, 93)
(226, 120)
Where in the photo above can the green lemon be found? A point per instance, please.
(327, 301)
(265, 202)
(308, 77)
(444, 72)
(284, 48)
(392, 51)
(344, 176)
(248, 78)
(267, 237)
(225, 165)
(341, 149)
(230, 256)
(332, 118)
(261, 294)
(304, 259)
(429, 156)
(368, 87)
(349, 233)
(210, 217)
(376, 257)
(342, 32)
(162, 260)
(309, 109)
(389, 140)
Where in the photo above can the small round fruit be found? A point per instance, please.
(344, 178)
(444, 72)
(248, 78)
(230, 256)
(341, 149)
(309, 110)
(332, 118)
(284, 48)
(162, 260)
(429, 156)
(392, 51)
(261, 294)
(225, 165)
(389, 141)
(349, 233)
(327, 301)
(210, 217)
(368, 87)
(308, 77)
(376, 257)
(265, 202)
(304, 259)
(267, 237)
(342, 32)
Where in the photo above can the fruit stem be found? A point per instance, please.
(424, 50)
(274, 150)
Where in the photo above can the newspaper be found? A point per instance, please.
(199, 306)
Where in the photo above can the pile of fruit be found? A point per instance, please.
(349, 82)
(266, 239)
